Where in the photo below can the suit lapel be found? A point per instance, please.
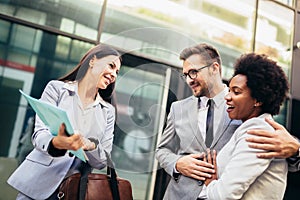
(225, 122)
(192, 113)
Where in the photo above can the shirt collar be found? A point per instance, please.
(72, 87)
(218, 99)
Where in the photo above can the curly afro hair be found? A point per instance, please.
(266, 80)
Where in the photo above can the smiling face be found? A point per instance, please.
(105, 70)
(241, 105)
(199, 85)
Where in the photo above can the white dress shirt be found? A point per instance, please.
(218, 110)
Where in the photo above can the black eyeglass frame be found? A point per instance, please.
(194, 71)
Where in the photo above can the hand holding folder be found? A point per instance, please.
(53, 117)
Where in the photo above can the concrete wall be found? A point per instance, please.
(7, 166)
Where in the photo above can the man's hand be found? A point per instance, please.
(62, 141)
(192, 166)
(280, 144)
(212, 159)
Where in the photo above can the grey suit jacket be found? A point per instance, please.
(40, 174)
(182, 136)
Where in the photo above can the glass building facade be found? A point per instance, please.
(41, 40)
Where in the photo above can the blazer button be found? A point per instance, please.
(200, 183)
(70, 154)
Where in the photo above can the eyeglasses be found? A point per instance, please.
(192, 73)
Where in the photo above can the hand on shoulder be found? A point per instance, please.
(279, 144)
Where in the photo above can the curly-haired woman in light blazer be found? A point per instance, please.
(257, 89)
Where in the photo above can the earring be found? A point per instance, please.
(257, 104)
(91, 64)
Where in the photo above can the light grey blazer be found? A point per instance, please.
(241, 175)
(40, 174)
(182, 136)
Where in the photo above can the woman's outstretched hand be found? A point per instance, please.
(63, 141)
(87, 144)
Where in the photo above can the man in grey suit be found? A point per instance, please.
(183, 140)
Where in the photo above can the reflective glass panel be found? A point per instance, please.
(140, 94)
(287, 2)
(273, 37)
(79, 17)
(161, 29)
(274, 32)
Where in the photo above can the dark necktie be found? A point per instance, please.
(209, 123)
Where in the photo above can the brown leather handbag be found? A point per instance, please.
(92, 186)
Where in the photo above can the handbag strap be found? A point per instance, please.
(113, 178)
(85, 170)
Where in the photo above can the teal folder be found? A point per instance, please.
(53, 117)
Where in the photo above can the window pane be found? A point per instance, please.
(78, 50)
(274, 32)
(23, 37)
(161, 29)
(64, 15)
(139, 93)
(4, 30)
(31, 15)
(62, 47)
(287, 2)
